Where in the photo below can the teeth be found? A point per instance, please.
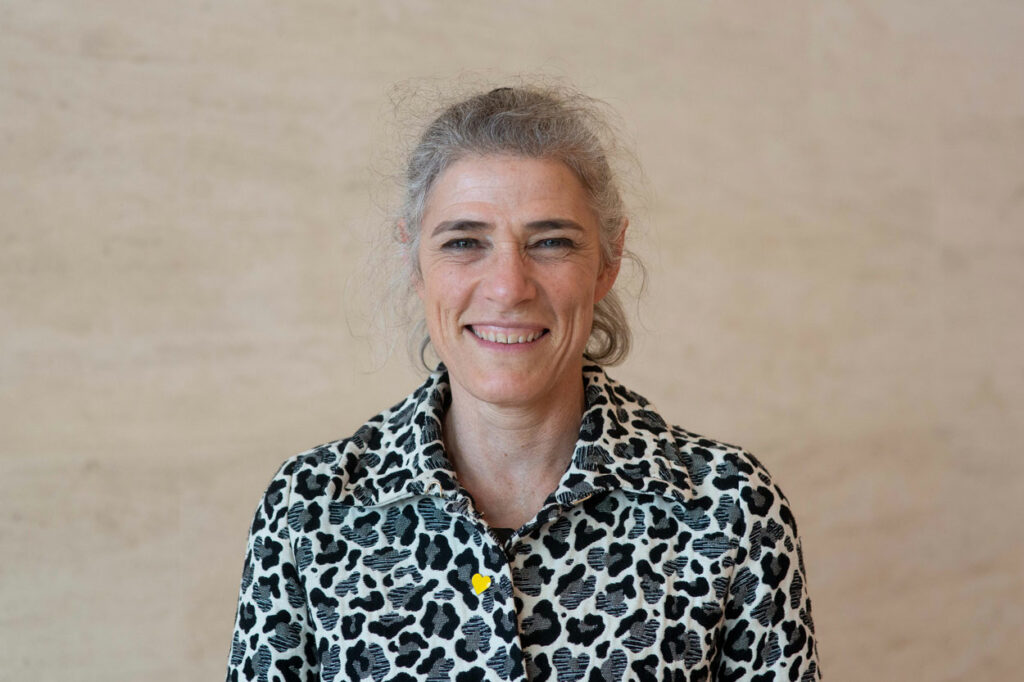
(499, 337)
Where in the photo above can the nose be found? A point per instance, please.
(508, 279)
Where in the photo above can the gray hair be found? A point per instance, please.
(532, 122)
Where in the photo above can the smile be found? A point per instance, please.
(508, 337)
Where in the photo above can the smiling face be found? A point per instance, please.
(510, 270)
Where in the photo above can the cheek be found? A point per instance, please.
(580, 291)
(428, 280)
(440, 289)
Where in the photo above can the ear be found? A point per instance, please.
(411, 259)
(402, 232)
(610, 271)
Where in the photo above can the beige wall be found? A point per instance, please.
(834, 228)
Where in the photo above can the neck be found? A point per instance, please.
(511, 457)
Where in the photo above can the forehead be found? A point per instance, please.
(513, 187)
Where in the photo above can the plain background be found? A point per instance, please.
(832, 220)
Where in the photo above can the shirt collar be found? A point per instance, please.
(623, 443)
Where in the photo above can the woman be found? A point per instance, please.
(521, 515)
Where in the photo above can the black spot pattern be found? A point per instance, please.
(661, 555)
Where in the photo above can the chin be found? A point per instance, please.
(504, 387)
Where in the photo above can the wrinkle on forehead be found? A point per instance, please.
(516, 189)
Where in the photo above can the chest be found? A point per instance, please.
(614, 587)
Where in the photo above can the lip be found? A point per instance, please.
(507, 335)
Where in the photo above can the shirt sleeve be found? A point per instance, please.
(273, 637)
(769, 632)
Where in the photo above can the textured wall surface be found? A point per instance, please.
(835, 202)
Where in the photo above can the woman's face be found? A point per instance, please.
(510, 264)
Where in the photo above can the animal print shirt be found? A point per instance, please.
(661, 555)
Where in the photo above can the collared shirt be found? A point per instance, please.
(661, 555)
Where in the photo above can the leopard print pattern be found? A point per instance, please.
(661, 555)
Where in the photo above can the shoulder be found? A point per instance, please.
(696, 467)
(717, 468)
(385, 443)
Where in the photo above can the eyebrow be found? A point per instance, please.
(477, 225)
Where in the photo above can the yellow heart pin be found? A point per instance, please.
(480, 582)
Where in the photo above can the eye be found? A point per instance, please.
(460, 244)
(554, 243)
